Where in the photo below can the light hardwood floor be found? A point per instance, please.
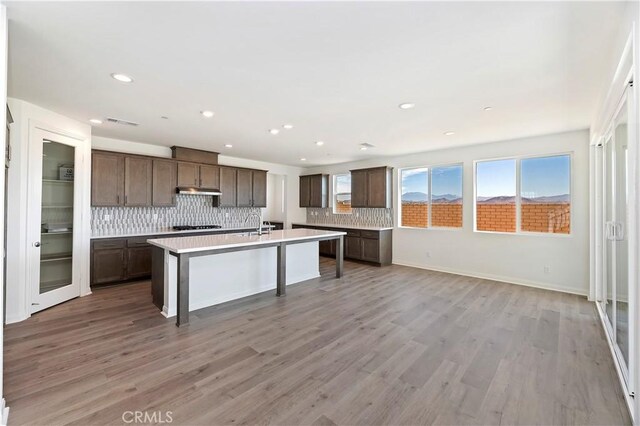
(392, 345)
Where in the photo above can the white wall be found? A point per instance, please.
(293, 212)
(4, 411)
(24, 115)
(519, 258)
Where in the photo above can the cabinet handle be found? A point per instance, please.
(126, 199)
(117, 199)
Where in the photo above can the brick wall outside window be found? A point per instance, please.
(496, 217)
(414, 214)
(543, 217)
(342, 207)
(446, 214)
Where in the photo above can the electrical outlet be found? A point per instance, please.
(326, 214)
(547, 269)
(107, 217)
(226, 215)
(155, 217)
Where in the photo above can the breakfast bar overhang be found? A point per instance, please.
(184, 249)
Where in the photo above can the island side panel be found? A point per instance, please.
(157, 276)
(220, 278)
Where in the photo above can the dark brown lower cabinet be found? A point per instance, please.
(108, 261)
(359, 244)
(138, 262)
(352, 247)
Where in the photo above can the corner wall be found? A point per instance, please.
(18, 289)
(520, 258)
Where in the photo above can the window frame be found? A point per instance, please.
(334, 193)
(518, 159)
(429, 227)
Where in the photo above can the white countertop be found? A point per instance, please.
(162, 231)
(335, 225)
(214, 242)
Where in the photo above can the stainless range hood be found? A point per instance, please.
(197, 191)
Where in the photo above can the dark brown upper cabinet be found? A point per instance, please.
(371, 187)
(314, 191)
(209, 177)
(188, 175)
(258, 188)
(228, 184)
(138, 172)
(107, 179)
(252, 188)
(244, 188)
(164, 183)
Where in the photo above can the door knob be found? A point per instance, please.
(36, 244)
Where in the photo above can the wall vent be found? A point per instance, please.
(123, 122)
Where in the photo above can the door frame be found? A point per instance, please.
(81, 218)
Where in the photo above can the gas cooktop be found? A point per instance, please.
(193, 227)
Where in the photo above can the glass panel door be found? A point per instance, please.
(56, 251)
(620, 235)
(609, 247)
(54, 202)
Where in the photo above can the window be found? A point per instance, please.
(415, 198)
(431, 197)
(545, 184)
(496, 196)
(446, 198)
(544, 202)
(342, 193)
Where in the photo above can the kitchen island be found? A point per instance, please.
(199, 271)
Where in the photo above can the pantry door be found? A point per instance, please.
(54, 206)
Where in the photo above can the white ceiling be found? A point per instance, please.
(336, 71)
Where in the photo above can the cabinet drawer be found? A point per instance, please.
(109, 244)
(350, 232)
(138, 242)
(370, 234)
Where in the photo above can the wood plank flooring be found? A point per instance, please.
(393, 345)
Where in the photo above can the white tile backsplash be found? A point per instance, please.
(189, 210)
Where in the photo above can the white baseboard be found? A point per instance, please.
(508, 280)
(5, 412)
(205, 303)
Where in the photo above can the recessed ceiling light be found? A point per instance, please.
(164, 117)
(274, 131)
(488, 108)
(303, 159)
(287, 126)
(406, 105)
(320, 143)
(122, 77)
(363, 148)
(449, 133)
(207, 114)
(95, 121)
(228, 145)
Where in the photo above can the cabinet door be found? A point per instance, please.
(188, 175)
(138, 173)
(259, 188)
(327, 248)
(210, 177)
(164, 183)
(318, 191)
(108, 265)
(377, 188)
(138, 262)
(305, 191)
(244, 188)
(107, 179)
(370, 249)
(227, 187)
(353, 247)
(359, 188)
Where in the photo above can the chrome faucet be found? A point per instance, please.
(259, 216)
